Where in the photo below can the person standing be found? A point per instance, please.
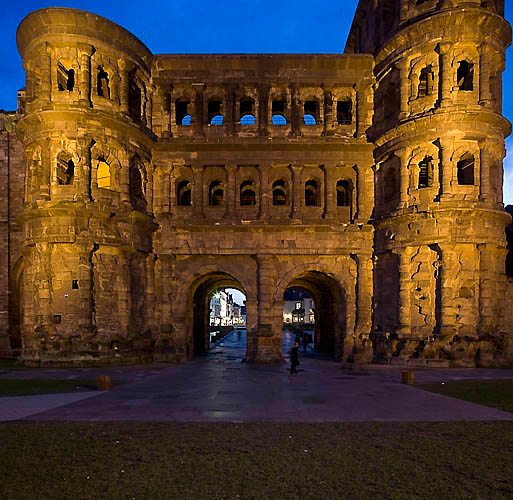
(305, 341)
(294, 357)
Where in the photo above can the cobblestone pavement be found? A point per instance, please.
(220, 387)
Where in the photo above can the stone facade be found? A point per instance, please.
(371, 179)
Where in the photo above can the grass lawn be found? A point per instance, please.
(468, 460)
(11, 364)
(21, 387)
(495, 393)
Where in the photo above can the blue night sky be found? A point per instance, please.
(226, 26)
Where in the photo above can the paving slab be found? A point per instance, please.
(222, 388)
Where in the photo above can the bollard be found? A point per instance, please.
(103, 383)
(407, 377)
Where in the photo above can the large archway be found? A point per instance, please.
(201, 307)
(329, 311)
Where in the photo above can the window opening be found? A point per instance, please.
(311, 111)
(182, 113)
(215, 116)
(279, 193)
(102, 83)
(465, 76)
(465, 169)
(137, 198)
(247, 193)
(426, 79)
(184, 194)
(311, 193)
(134, 99)
(278, 112)
(65, 78)
(426, 172)
(344, 112)
(343, 193)
(246, 106)
(65, 172)
(216, 194)
(74, 284)
(103, 174)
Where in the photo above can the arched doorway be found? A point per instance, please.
(319, 310)
(205, 321)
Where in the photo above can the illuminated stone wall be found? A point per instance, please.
(371, 179)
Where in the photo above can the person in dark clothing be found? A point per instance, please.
(294, 357)
(305, 341)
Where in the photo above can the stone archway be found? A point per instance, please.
(330, 310)
(201, 295)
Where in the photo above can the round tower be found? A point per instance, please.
(87, 217)
(439, 218)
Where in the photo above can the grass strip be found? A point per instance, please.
(26, 387)
(494, 393)
(466, 460)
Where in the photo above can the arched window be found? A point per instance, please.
(426, 79)
(184, 194)
(247, 193)
(311, 112)
(65, 78)
(279, 192)
(102, 83)
(137, 199)
(134, 99)
(465, 76)
(65, 170)
(426, 172)
(247, 111)
(344, 112)
(465, 168)
(103, 174)
(278, 112)
(311, 194)
(182, 115)
(216, 194)
(344, 193)
(215, 112)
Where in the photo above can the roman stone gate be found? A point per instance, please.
(371, 179)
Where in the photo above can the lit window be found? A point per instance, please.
(310, 120)
(247, 120)
(103, 175)
(217, 120)
(279, 119)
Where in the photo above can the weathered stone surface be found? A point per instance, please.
(148, 181)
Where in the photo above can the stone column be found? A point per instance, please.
(446, 166)
(297, 191)
(484, 173)
(446, 74)
(364, 292)
(84, 187)
(404, 69)
(447, 313)
(487, 284)
(171, 193)
(330, 194)
(165, 107)
(485, 96)
(403, 154)
(231, 190)
(269, 342)
(85, 76)
(198, 119)
(404, 328)
(46, 78)
(197, 192)
(265, 191)
(364, 103)
(123, 86)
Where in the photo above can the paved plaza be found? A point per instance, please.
(221, 387)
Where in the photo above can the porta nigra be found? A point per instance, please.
(134, 184)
